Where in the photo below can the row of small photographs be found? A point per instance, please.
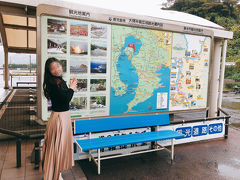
(59, 27)
(59, 46)
(81, 67)
(80, 103)
(96, 85)
(174, 88)
(188, 80)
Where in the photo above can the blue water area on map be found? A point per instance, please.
(128, 76)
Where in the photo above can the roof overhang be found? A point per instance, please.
(151, 12)
(103, 15)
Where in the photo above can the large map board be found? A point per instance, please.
(126, 70)
(189, 71)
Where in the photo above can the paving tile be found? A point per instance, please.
(15, 178)
(77, 171)
(80, 178)
(1, 167)
(10, 156)
(1, 164)
(11, 147)
(3, 147)
(31, 171)
(28, 160)
(12, 163)
(9, 171)
(2, 157)
(67, 175)
(34, 177)
(13, 172)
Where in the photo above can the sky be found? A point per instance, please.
(14, 58)
(122, 5)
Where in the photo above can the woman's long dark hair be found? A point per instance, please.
(49, 78)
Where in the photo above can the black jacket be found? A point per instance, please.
(60, 96)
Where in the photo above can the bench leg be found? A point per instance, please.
(99, 163)
(172, 149)
(89, 156)
(155, 145)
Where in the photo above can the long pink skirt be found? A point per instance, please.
(57, 150)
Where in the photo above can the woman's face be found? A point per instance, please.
(55, 69)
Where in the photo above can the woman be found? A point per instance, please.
(57, 150)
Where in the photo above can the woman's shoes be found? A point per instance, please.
(60, 176)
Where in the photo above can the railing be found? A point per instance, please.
(24, 77)
(221, 115)
(18, 119)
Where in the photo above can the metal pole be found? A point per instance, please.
(172, 149)
(226, 128)
(18, 152)
(207, 111)
(213, 95)
(6, 69)
(222, 74)
(37, 154)
(99, 163)
(30, 63)
(5, 47)
(218, 113)
(89, 155)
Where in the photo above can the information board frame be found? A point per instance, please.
(107, 17)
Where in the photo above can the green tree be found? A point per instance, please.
(208, 9)
(226, 13)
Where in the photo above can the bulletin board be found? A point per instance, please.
(124, 69)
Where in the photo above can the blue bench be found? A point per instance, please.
(118, 123)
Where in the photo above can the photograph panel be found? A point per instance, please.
(56, 26)
(78, 29)
(98, 31)
(97, 102)
(98, 49)
(78, 48)
(98, 67)
(78, 66)
(97, 85)
(81, 85)
(78, 103)
(56, 46)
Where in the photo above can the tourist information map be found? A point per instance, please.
(140, 70)
(126, 70)
(189, 71)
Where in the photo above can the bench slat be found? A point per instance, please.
(98, 143)
(116, 123)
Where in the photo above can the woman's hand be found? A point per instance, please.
(73, 83)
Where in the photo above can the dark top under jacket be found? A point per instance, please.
(60, 96)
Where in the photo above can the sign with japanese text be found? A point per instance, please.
(196, 131)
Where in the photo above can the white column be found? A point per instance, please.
(222, 74)
(214, 81)
(6, 74)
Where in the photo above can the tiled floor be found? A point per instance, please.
(214, 159)
(8, 170)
